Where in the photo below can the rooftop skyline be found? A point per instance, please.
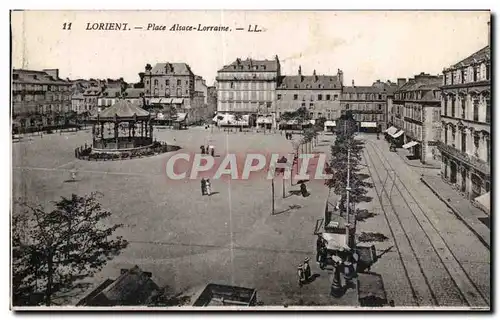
(366, 46)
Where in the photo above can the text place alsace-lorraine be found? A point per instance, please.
(247, 160)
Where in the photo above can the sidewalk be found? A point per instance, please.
(403, 153)
(461, 207)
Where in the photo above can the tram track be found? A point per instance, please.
(469, 293)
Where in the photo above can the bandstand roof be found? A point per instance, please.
(122, 109)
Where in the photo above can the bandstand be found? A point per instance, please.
(122, 127)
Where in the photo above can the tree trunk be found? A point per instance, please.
(283, 185)
(50, 274)
(272, 193)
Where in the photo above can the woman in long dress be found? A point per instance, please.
(208, 187)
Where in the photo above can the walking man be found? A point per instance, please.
(208, 187)
(203, 187)
(320, 243)
(307, 269)
(301, 275)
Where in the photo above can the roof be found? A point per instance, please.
(111, 93)
(178, 69)
(34, 76)
(132, 287)
(309, 82)
(134, 92)
(92, 91)
(425, 83)
(123, 109)
(482, 55)
(250, 65)
(77, 96)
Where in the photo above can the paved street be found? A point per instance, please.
(188, 241)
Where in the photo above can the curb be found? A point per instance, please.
(416, 166)
(457, 214)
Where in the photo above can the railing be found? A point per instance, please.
(480, 165)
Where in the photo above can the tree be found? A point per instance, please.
(345, 141)
(54, 250)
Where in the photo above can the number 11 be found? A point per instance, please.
(67, 26)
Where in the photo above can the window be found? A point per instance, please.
(232, 85)
(178, 82)
(335, 97)
(476, 144)
(295, 96)
(380, 107)
(187, 91)
(464, 141)
(488, 150)
(279, 96)
(311, 105)
(445, 102)
(311, 115)
(380, 96)
(303, 104)
(453, 107)
(156, 82)
(475, 104)
(320, 97)
(463, 106)
(488, 110)
(327, 97)
(179, 92)
(167, 82)
(476, 73)
(462, 75)
(487, 72)
(453, 136)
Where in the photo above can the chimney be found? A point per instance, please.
(52, 72)
(401, 82)
(315, 76)
(300, 70)
(340, 76)
(353, 83)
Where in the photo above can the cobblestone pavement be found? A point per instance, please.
(438, 261)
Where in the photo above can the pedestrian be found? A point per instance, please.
(203, 187)
(301, 275)
(323, 256)
(212, 152)
(303, 189)
(208, 187)
(307, 269)
(202, 148)
(319, 244)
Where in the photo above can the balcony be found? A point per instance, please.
(464, 157)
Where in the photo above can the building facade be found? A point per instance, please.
(40, 99)
(248, 87)
(90, 98)
(465, 142)
(368, 103)
(77, 103)
(172, 86)
(320, 94)
(418, 104)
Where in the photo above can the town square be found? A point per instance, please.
(270, 188)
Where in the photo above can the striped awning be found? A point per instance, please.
(398, 134)
(410, 144)
(330, 123)
(392, 130)
(177, 100)
(484, 201)
(368, 124)
(154, 100)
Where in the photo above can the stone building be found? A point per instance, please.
(172, 86)
(418, 104)
(320, 94)
(77, 103)
(465, 142)
(248, 87)
(40, 99)
(90, 98)
(368, 103)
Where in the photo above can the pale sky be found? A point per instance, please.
(366, 45)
